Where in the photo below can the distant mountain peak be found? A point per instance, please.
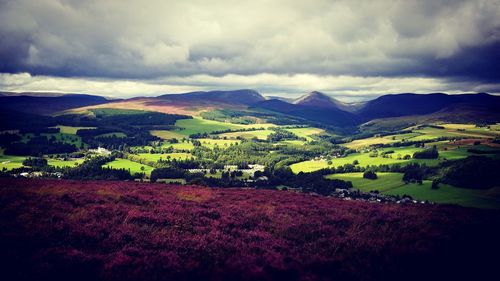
(317, 99)
(314, 97)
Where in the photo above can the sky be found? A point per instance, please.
(348, 49)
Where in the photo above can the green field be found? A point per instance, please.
(62, 163)
(429, 133)
(392, 184)
(259, 134)
(364, 159)
(132, 167)
(10, 162)
(166, 134)
(306, 132)
(71, 130)
(155, 157)
(199, 126)
(221, 143)
(179, 146)
(367, 142)
(433, 133)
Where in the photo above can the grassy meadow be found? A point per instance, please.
(64, 163)
(167, 134)
(164, 156)
(392, 184)
(132, 167)
(71, 130)
(364, 159)
(258, 134)
(221, 143)
(10, 162)
(307, 132)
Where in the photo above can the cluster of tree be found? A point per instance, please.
(371, 175)
(169, 173)
(280, 134)
(413, 173)
(35, 162)
(307, 182)
(252, 152)
(134, 137)
(476, 172)
(430, 126)
(92, 169)
(39, 145)
(431, 153)
(118, 118)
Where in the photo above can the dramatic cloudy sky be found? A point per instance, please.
(353, 49)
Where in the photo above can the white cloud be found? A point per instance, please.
(155, 38)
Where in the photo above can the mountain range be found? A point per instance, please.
(315, 106)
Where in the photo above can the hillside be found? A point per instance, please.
(317, 99)
(48, 104)
(418, 104)
(326, 115)
(70, 230)
(321, 100)
(457, 113)
(245, 97)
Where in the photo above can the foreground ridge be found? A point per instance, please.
(108, 230)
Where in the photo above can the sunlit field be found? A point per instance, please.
(393, 184)
(132, 167)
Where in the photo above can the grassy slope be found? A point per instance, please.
(427, 133)
(306, 132)
(165, 134)
(221, 143)
(200, 125)
(165, 156)
(10, 162)
(131, 166)
(180, 145)
(71, 130)
(61, 163)
(363, 158)
(392, 184)
(260, 134)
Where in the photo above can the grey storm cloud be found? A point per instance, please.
(148, 39)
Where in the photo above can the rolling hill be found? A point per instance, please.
(47, 105)
(418, 104)
(321, 100)
(316, 107)
(244, 97)
(326, 115)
